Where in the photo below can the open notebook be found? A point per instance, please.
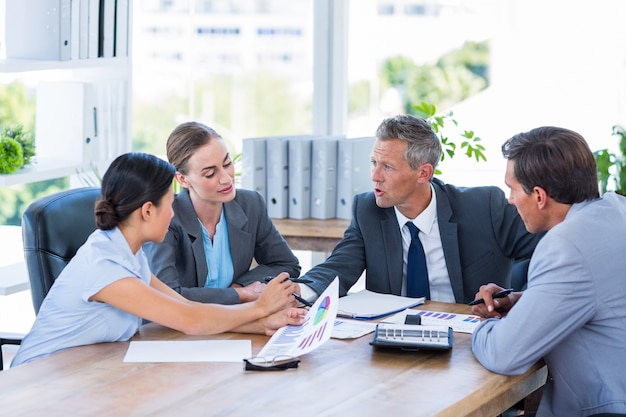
(368, 305)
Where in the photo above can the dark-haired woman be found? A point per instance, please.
(107, 288)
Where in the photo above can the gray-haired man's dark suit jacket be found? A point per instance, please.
(480, 232)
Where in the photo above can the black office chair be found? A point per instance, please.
(519, 274)
(53, 228)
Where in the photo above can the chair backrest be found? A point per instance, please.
(519, 274)
(53, 228)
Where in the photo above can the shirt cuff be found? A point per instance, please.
(307, 293)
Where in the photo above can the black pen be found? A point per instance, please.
(296, 280)
(302, 300)
(500, 294)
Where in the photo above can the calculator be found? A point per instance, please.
(412, 337)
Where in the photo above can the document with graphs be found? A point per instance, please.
(316, 329)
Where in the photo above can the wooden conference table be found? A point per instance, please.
(312, 234)
(340, 378)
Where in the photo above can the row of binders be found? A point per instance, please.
(62, 30)
(307, 176)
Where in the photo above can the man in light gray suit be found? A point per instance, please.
(573, 313)
(471, 236)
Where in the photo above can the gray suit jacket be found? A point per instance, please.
(180, 260)
(573, 314)
(481, 235)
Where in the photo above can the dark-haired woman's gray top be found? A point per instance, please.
(180, 259)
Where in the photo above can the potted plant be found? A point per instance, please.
(612, 165)
(17, 148)
(470, 143)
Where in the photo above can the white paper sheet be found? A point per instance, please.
(188, 351)
(371, 305)
(352, 329)
(462, 323)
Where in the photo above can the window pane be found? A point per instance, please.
(242, 67)
(540, 63)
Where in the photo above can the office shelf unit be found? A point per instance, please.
(83, 103)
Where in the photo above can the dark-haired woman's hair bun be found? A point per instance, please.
(106, 215)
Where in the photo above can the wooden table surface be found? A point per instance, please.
(340, 378)
(312, 234)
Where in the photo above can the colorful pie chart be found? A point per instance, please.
(321, 311)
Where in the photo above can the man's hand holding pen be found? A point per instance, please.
(493, 301)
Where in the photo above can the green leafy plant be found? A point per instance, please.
(17, 148)
(90, 178)
(11, 157)
(470, 143)
(612, 165)
(25, 139)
